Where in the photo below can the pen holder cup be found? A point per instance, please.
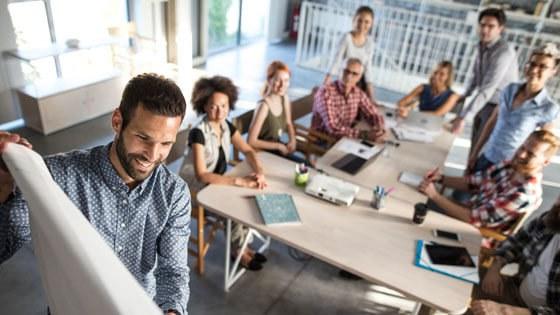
(378, 202)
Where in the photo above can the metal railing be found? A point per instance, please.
(408, 42)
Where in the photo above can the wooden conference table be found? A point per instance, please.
(376, 245)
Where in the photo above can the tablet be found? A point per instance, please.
(449, 255)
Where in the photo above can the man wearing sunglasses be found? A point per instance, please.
(339, 105)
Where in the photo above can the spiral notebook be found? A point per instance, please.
(277, 209)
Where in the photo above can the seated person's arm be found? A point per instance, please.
(290, 126)
(205, 176)
(487, 307)
(374, 117)
(404, 104)
(251, 156)
(255, 129)
(451, 208)
(448, 105)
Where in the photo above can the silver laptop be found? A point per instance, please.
(332, 189)
(425, 121)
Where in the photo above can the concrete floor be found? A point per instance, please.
(285, 285)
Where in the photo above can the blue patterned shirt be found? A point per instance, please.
(513, 126)
(147, 226)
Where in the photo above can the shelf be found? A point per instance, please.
(45, 88)
(56, 49)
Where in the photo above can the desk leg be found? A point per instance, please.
(421, 309)
(231, 275)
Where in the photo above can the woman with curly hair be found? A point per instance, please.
(209, 142)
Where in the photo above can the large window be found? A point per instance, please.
(235, 22)
(43, 25)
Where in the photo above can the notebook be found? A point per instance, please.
(332, 189)
(422, 260)
(277, 209)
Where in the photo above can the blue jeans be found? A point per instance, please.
(482, 164)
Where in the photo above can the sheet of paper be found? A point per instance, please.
(79, 271)
(411, 179)
(416, 135)
(354, 147)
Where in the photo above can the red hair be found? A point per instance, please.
(271, 71)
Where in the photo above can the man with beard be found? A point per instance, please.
(137, 205)
(503, 191)
(536, 287)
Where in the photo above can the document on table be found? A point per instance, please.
(411, 179)
(413, 134)
(356, 148)
(80, 273)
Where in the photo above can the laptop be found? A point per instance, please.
(332, 189)
(352, 163)
(425, 121)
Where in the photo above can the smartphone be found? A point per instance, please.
(389, 114)
(367, 144)
(447, 234)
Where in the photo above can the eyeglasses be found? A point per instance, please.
(541, 67)
(348, 72)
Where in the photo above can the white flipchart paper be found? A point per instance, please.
(79, 271)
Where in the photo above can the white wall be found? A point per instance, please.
(8, 109)
(277, 20)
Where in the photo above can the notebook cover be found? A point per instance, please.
(277, 209)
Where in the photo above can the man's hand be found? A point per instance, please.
(493, 282)
(433, 175)
(6, 179)
(428, 188)
(487, 307)
(376, 134)
(457, 125)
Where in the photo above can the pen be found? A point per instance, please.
(432, 173)
(390, 190)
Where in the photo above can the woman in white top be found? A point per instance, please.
(357, 43)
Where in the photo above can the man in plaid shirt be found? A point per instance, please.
(503, 191)
(338, 106)
(536, 287)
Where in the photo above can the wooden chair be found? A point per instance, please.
(496, 236)
(202, 240)
(312, 142)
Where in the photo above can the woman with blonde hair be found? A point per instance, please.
(436, 97)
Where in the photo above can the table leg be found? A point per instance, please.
(233, 273)
(422, 309)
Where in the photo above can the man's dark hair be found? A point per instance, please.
(499, 14)
(157, 95)
(206, 87)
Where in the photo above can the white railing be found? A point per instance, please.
(408, 43)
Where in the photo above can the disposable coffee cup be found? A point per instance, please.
(420, 210)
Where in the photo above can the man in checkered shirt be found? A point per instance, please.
(536, 287)
(500, 193)
(340, 104)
